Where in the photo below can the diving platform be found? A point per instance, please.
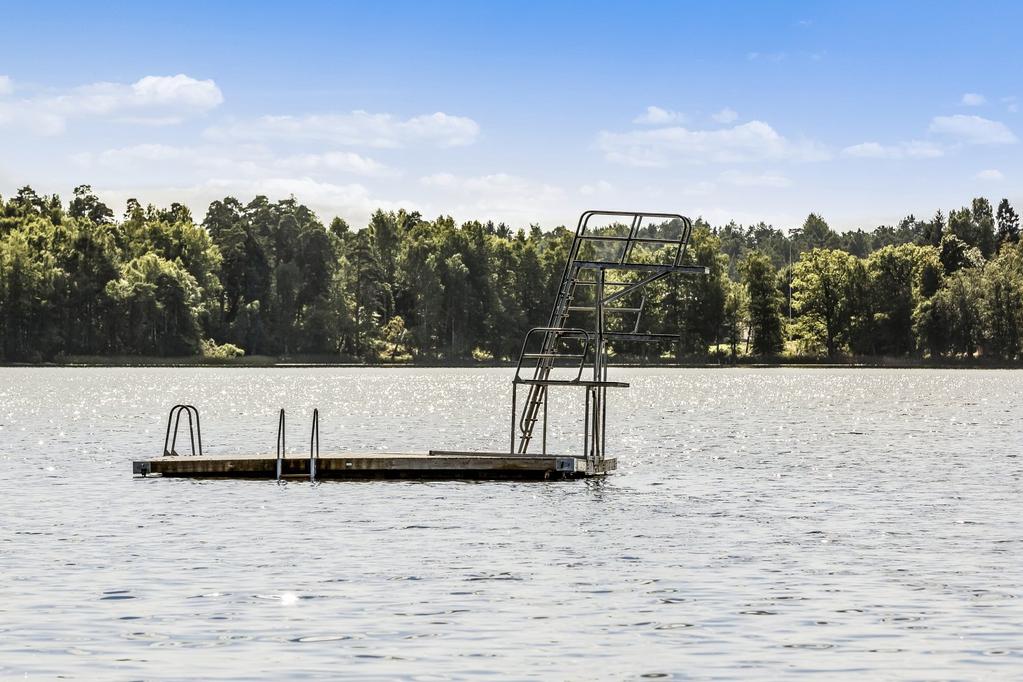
(613, 258)
(432, 465)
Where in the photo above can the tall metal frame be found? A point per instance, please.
(586, 269)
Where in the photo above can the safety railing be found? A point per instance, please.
(281, 453)
(314, 436)
(548, 354)
(194, 430)
(314, 445)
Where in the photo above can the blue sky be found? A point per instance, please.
(522, 112)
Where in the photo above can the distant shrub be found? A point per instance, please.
(223, 351)
(480, 355)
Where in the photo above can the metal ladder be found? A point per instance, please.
(584, 269)
(194, 430)
(314, 446)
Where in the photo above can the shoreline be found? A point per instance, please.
(270, 362)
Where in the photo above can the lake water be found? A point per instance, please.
(763, 524)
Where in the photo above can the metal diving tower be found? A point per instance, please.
(614, 255)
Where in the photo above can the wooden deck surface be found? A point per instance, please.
(423, 465)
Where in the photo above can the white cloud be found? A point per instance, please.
(139, 152)
(152, 99)
(973, 129)
(752, 141)
(345, 162)
(990, 174)
(915, 149)
(251, 160)
(6, 86)
(972, 99)
(726, 115)
(496, 184)
(699, 189)
(599, 187)
(658, 116)
(325, 197)
(178, 91)
(167, 93)
(356, 128)
(740, 179)
(499, 196)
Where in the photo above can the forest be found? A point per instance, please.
(270, 278)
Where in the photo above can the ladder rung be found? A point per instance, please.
(607, 284)
(640, 240)
(647, 267)
(609, 309)
(539, 356)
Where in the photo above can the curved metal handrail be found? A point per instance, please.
(194, 431)
(537, 391)
(281, 454)
(682, 242)
(556, 332)
(314, 436)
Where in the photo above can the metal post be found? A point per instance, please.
(603, 422)
(198, 428)
(586, 425)
(314, 435)
(545, 423)
(514, 390)
(598, 354)
(191, 434)
(599, 372)
(281, 446)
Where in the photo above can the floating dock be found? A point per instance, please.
(599, 302)
(376, 465)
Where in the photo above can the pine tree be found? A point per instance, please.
(1008, 224)
(764, 303)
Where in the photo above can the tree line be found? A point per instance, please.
(269, 278)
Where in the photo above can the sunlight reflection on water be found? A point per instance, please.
(763, 523)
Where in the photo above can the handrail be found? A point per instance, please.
(314, 445)
(550, 339)
(682, 241)
(281, 454)
(556, 332)
(175, 416)
(314, 435)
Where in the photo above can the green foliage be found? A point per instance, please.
(894, 279)
(394, 344)
(269, 278)
(817, 234)
(158, 300)
(764, 304)
(1008, 224)
(1002, 303)
(956, 254)
(974, 226)
(694, 307)
(823, 292)
(87, 206)
(223, 351)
